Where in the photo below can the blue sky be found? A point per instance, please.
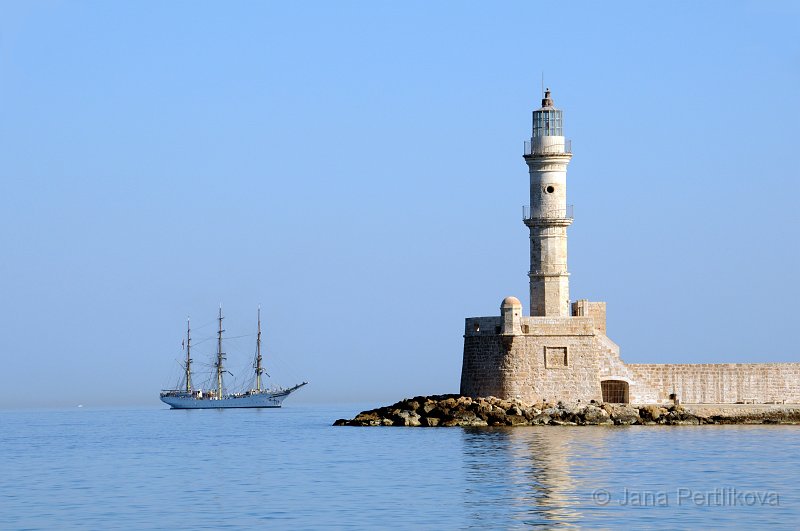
(356, 169)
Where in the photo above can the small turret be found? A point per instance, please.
(511, 316)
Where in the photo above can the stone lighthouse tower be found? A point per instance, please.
(548, 215)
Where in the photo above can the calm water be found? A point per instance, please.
(289, 469)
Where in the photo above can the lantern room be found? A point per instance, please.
(548, 130)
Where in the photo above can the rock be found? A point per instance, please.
(505, 405)
(432, 422)
(595, 415)
(438, 412)
(454, 410)
(531, 412)
(540, 419)
(407, 418)
(516, 420)
(496, 418)
(411, 405)
(514, 410)
(469, 418)
(475, 407)
(687, 420)
(448, 403)
(652, 413)
(367, 418)
(625, 415)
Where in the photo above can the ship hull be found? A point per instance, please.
(177, 400)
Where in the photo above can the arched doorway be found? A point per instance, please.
(615, 391)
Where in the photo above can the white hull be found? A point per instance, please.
(183, 400)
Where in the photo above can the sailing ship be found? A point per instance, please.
(187, 397)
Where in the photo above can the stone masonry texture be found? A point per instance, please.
(553, 359)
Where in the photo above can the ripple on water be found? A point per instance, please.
(155, 468)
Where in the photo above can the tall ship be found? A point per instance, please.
(188, 397)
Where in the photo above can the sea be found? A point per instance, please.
(289, 468)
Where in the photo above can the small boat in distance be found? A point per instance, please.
(187, 397)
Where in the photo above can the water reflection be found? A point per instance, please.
(536, 476)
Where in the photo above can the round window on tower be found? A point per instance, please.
(549, 189)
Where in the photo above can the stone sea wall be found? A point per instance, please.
(718, 383)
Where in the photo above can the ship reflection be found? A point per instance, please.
(536, 476)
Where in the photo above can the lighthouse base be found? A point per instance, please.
(570, 359)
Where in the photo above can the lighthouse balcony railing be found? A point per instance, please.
(552, 149)
(551, 270)
(528, 213)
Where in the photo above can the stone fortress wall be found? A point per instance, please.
(567, 358)
(717, 383)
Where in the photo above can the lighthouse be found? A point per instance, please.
(561, 351)
(547, 215)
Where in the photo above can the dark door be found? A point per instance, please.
(614, 391)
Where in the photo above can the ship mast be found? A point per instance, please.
(220, 357)
(259, 369)
(188, 356)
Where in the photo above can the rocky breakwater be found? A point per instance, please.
(455, 410)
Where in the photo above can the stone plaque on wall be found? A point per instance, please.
(556, 357)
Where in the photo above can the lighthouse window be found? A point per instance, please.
(549, 189)
(547, 123)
